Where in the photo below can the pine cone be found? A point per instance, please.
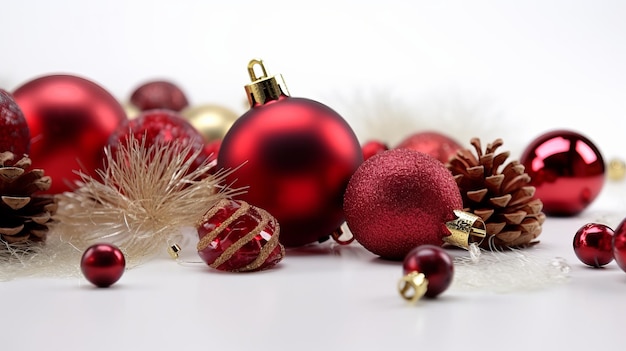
(504, 200)
(24, 216)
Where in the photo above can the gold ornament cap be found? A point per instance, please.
(413, 286)
(263, 87)
(466, 229)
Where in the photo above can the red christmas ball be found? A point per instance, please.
(593, 244)
(15, 135)
(161, 127)
(435, 263)
(566, 169)
(619, 245)
(398, 200)
(296, 156)
(70, 121)
(373, 147)
(103, 264)
(434, 144)
(237, 237)
(159, 95)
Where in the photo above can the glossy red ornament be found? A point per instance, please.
(237, 237)
(296, 156)
(159, 94)
(161, 127)
(15, 136)
(432, 143)
(436, 265)
(373, 147)
(619, 245)
(103, 264)
(593, 244)
(398, 200)
(566, 169)
(70, 120)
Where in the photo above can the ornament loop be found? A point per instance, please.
(413, 286)
(338, 233)
(466, 229)
(251, 64)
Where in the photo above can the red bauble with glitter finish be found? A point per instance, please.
(619, 245)
(237, 237)
(432, 143)
(159, 95)
(103, 264)
(373, 147)
(567, 171)
(162, 127)
(296, 156)
(398, 200)
(593, 244)
(436, 265)
(70, 120)
(15, 136)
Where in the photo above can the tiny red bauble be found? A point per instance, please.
(159, 95)
(619, 245)
(70, 120)
(237, 237)
(428, 270)
(398, 200)
(103, 264)
(15, 136)
(566, 169)
(296, 157)
(161, 127)
(593, 244)
(373, 147)
(434, 144)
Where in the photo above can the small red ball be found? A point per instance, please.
(435, 263)
(159, 95)
(15, 136)
(434, 144)
(398, 200)
(619, 245)
(373, 147)
(103, 264)
(567, 171)
(593, 244)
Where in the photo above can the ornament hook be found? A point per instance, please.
(252, 73)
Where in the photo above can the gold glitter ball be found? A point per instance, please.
(616, 169)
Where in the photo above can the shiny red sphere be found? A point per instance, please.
(15, 135)
(159, 95)
(619, 245)
(432, 143)
(398, 200)
(296, 157)
(435, 263)
(567, 171)
(373, 147)
(70, 120)
(593, 244)
(103, 264)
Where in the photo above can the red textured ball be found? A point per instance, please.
(296, 156)
(161, 127)
(103, 264)
(398, 200)
(373, 147)
(619, 245)
(593, 244)
(159, 95)
(567, 171)
(436, 265)
(432, 143)
(15, 136)
(70, 120)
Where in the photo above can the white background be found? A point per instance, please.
(468, 68)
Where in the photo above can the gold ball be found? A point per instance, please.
(212, 121)
(131, 110)
(616, 169)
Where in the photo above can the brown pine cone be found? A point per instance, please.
(503, 199)
(24, 216)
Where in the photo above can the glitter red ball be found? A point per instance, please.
(103, 264)
(435, 263)
(398, 200)
(159, 95)
(15, 136)
(593, 244)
